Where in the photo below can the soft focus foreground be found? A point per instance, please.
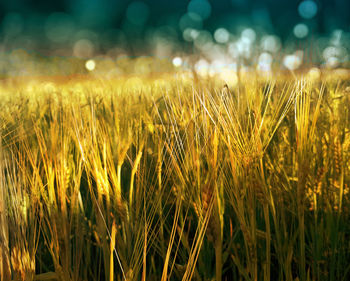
(177, 176)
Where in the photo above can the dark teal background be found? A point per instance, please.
(108, 17)
(111, 13)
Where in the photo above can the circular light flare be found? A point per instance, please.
(200, 7)
(229, 76)
(221, 35)
(203, 40)
(190, 34)
(177, 61)
(90, 65)
(332, 62)
(292, 62)
(202, 67)
(301, 30)
(244, 47)
(270, 43)
(83, 48)
(264, 62)
(190, 20)
(334, 51)
(336, 37)
(314, 73)
(307, 9)
(249, 35)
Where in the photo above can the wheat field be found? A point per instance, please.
(175, 177)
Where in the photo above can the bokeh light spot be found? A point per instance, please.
(190, 20)
(177, 61)
(203, 40)
(293, 62)
(264, 62)
(331, 51)
(190, 34)
(83, 48)
(90, 65)
(200, 7)
(270, 43)
(332, 62)
(301, 30)
(202, 67)
(248, 34)
(221, 35)
(314, 73)
(307, 9)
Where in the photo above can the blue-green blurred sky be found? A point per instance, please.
(106, 13)
(33, 23)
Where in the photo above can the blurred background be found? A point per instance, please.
(212, 32)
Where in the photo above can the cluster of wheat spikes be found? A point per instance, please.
(175, 179)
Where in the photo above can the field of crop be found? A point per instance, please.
(175, 177)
